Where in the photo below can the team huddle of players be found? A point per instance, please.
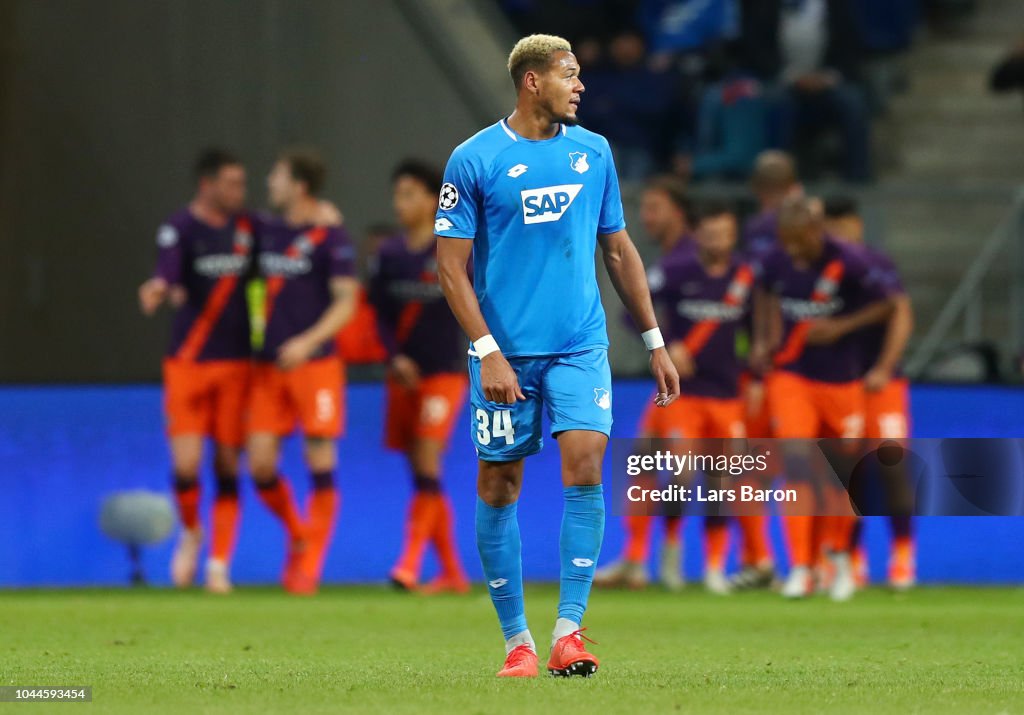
(260, 298)
(825, 321)
(259, 301)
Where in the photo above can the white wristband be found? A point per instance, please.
(485, 345)
(652, 339)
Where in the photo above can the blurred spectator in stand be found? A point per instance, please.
(688, 38)
(732, 127)
(888, 31)
(949, 16)
(675, 27)
(631, 105)
(813, 49)
(1008, 75)
(572, 19)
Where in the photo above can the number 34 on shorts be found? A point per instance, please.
(575, 391)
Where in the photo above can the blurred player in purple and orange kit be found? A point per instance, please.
(773, 180)
(359, 342)
(665, 215)
(298, 379)
(887, 390)
(705, 294)
(205, 254)
(427, 382)
(821, 292)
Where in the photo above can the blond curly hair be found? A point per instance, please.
(534, 52)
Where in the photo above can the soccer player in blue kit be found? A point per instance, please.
(531, 197)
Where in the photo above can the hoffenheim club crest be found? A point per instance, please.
(578, 161)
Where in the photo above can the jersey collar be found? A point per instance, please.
(515, 137)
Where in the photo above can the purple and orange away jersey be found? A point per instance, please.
(298, 263)
(413, 316)
(685, 247)
(838, 283)
(211, 264)
(704, 312)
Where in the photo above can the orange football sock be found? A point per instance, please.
(324, 505)
(754, 533)
(638, 538)
(276, 495)
(225, 528)
(799, 537)
(837, 532)
(444, 540)
(716, 542)
(419, 527)
(903, 548)
(673, 530)
(224, 519)
(901, 558)
(186, 493)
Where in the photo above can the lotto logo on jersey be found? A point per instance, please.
(549, 203)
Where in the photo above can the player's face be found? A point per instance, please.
(282, 188)
(413, 202)
(800, 239)
(716, 235)
(849, 228)
(227, 188)
(658, 214)
(560, 88)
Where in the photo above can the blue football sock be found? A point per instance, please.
(579, 545)
(497, 539)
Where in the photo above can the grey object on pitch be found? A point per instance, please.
(137, 518)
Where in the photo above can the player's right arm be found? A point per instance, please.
(897, 332)
(897, 335)
(456, 228)
(402, 368)
(766, 321)
(497, 377)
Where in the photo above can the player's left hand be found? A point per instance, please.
(876, 379)
(665, 376)
(824, 331)
(295, 351)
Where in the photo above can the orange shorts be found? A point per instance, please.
(809, 409)
(207, 398)
(311, 396)
(692, 417)
(887, 413)
(427, 412)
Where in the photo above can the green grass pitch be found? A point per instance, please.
(955, 650)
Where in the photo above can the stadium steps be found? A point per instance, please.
(960, 159)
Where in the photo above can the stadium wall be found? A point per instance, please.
(62, 450)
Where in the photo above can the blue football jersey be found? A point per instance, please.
(534, 210)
